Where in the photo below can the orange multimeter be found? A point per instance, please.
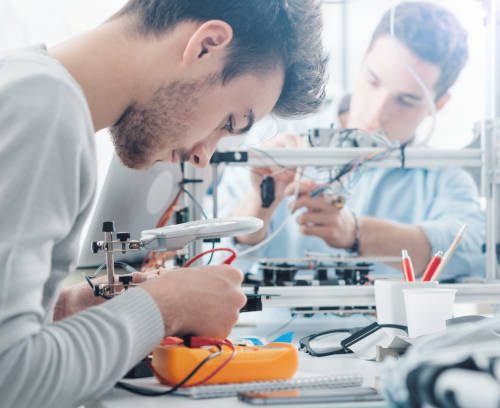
(274, 361)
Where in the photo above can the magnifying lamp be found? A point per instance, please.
(175, 237)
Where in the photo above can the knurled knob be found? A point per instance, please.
(108, 226)
(123, 236)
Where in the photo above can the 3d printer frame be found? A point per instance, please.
(485, 158)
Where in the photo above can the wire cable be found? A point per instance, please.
(195, 201)
(228, 261)
(153, 393)
(128, 268)
(169, 211)
(282, 327)
(418, 79)
(157, 260)
(227, 343)
(203, 213)
(278, 164)
(209, 342)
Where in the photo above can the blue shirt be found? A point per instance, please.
(439, 201)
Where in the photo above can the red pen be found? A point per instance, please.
(407, 266)
(432, 266)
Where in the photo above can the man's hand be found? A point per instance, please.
(203, 301)
(336, 226)
(77, 298)
(282, 177)
(250, 205)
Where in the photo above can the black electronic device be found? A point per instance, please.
(312, 273)
(267, 191)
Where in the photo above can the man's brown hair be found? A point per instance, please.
(433, 34)
(267, 34)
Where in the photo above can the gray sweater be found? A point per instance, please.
(47, 184)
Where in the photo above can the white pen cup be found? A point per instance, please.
(427, 310)
(389, 299)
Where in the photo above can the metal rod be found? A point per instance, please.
(196, 190)
(489, 139)
(353, 295)
(215, 189)
(110, 260)
(332, 157)
(319, 258)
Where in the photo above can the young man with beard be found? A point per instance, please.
(170, 78)
(419, 209)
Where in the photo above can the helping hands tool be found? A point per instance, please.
(169, 238)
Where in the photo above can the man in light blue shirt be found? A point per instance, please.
(387, 210)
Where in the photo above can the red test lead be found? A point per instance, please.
(407, 266)
(432, 266)
(228, 261)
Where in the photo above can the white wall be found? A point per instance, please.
(25, 22)
(454, 122)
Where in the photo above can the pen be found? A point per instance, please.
(449, 252)
(407, 266)
(431, 268)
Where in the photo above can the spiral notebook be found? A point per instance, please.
(232, 390)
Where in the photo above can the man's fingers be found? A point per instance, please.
(234, 274)
(285, 175)
(262, 171)
(312, 203)
(242, 301)
(139, 277)
(321, 232)
(305, 187)
(315, 218)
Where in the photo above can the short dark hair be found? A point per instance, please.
(433, 34)
(266, 34)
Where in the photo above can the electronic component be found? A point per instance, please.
(254, 303)
(229, 157)
(274, 361)
(311, 273)
(267, 191)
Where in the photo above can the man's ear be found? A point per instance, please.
(209, 41)
(441, 102)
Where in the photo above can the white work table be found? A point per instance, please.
(308, 365)
(264, 326)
